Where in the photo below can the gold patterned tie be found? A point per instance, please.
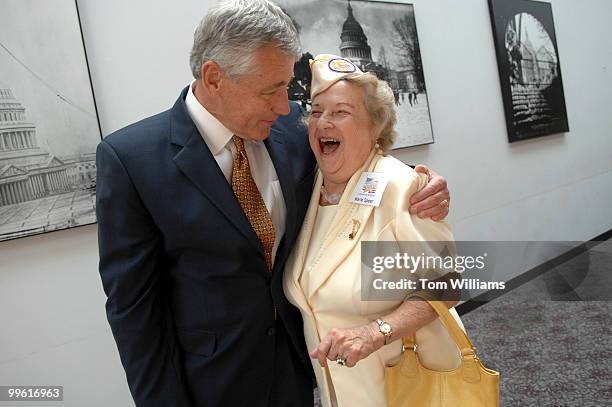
(251, 201)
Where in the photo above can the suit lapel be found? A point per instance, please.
(275, 145)
(337, 244)
(196, 161)
(300, 248)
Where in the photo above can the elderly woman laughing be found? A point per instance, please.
(350, 127)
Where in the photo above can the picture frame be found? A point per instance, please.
(529, 68)
(49, 126)
(377, 36)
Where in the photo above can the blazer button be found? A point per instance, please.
(271, 331)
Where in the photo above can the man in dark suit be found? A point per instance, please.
(198, 208)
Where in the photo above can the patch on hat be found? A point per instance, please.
(341, 65)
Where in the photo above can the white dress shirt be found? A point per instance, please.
(219, 141)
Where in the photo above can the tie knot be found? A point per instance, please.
(239, 143)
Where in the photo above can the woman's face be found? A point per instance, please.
(340, 131)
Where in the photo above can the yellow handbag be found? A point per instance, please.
(408, 383)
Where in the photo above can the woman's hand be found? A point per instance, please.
(433, 200)
(350, 345)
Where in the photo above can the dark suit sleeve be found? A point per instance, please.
(131, 270)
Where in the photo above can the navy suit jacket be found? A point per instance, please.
(190, 301)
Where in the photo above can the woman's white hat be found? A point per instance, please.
(328, 69)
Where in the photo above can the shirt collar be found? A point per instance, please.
(215, 134)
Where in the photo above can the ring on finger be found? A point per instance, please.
(444, 203)
(341, 361)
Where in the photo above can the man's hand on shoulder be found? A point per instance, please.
(433, 200)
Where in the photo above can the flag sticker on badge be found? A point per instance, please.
(370, 185)
(369, 189)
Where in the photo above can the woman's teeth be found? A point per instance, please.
(328, 145)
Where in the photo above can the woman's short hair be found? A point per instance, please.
(380, 104)
(233, 30)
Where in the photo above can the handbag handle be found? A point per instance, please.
(461, 339)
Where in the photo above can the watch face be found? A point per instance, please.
(385, 328)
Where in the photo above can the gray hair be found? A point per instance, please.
(380, 104)
(233, 30)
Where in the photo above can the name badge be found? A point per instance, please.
(369, 189)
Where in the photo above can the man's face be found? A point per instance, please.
(250, 104)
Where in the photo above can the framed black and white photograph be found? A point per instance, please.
(529, 68)
(49, 127)
(379, 37)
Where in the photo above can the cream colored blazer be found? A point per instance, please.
(334, 295)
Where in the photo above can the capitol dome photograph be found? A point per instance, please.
(378, 37)
(48, 122)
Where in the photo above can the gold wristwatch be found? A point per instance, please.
(384, 329)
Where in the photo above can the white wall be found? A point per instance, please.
(551, 188)
(53, 325)
(554, 188)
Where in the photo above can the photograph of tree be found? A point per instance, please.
(529, 68)
(378, 37)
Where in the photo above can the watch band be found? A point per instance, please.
(385, 329)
